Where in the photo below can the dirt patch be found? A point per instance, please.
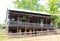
(37, 38)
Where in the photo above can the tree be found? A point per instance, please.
(53, 6)
(29, 5)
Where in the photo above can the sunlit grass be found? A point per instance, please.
(2, 38)
(2, 35)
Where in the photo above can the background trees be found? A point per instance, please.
(53, 8)
(29, 5)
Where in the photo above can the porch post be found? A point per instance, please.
(51, 22)
(17, 23)
(47, 31)
(46, 23)
(47, 27)
(30, 31)
(20, 30)
(17, 29)
(33, 31)
(25, 30)
(7, 21)
(37, 32)
(42, 22)
(42, 25)
(28, 21)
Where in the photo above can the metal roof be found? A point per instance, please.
(37, 12)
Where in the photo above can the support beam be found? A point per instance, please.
(42, 22)
(51, 23)
(7, 21)
(17, 23)
(37, 32)
(25, 30)
(30, 31)
(20, 30)
(46, 22)
(17, 29)
(33, 31)
(47, 31)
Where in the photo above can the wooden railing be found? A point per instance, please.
(33, 34)
(29, 34)
(27, 24)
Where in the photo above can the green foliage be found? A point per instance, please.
(53, 6)
(41, 7)
(23, 18)
(56, 18)
(29, 5)
(26, 4)
(33, 5)
(53, 10)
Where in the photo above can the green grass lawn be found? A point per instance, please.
(2, 35)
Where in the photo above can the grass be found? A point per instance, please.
(2, 35)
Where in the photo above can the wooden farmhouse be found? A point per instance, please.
(25, 21)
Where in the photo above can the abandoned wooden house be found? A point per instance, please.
(24, 21)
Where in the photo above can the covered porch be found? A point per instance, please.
(26, 22)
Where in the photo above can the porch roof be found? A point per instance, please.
(28, 11)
